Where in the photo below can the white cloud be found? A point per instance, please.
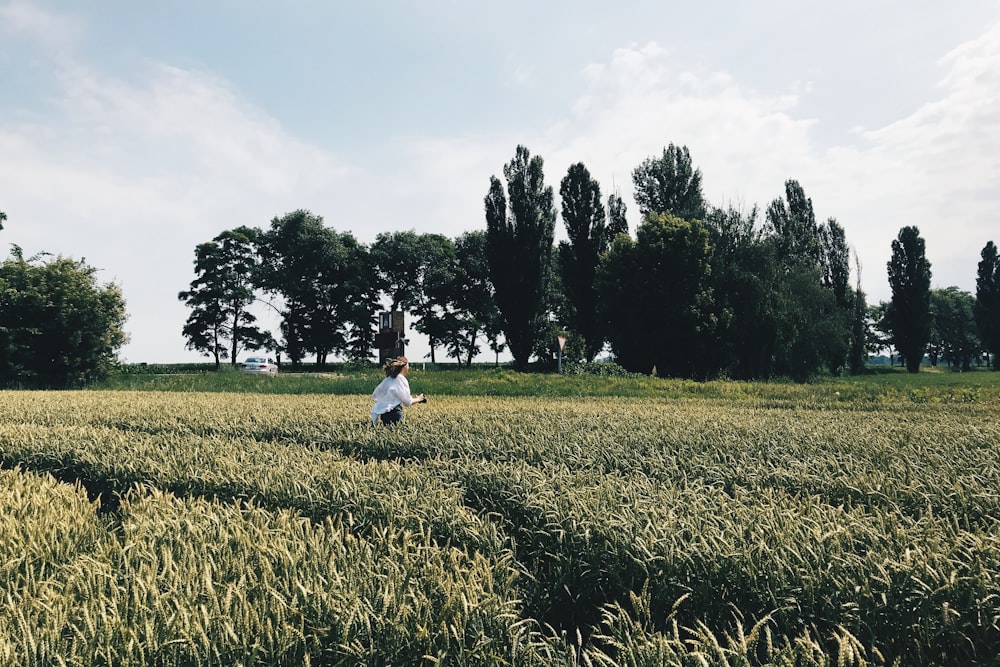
(745, 143)
(132, 176)
(56, 32)
(132, 173)
(935, 168)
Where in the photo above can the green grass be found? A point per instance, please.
(930, 385)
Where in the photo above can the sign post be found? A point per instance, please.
(562, 344)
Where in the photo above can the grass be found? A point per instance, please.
(879, 386)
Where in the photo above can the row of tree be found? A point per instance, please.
(698, 291)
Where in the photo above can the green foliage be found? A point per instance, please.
(328, 287)
(836, 277)
(657, 293)
(792, 223)
(810, 326)
(220, 296)
(584, 217)
(953, 329)
(437, 279)
(58, 326)
(472, 301)
(860, 332)
(520, 225)
(909, 311)
(744, 274)
(617, 222)
(987, 307)
(669, 185)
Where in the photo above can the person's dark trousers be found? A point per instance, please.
(393, 416)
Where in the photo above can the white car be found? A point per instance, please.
(260, 365)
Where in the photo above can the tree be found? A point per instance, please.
(220, 297)
(879, 337)
(473, 308)
(793, 225)
(953, 329)
(558, 312)
(359, 303)
(326, 282)
(859, 327)
(417, 273)
(519, 235)
(669, 184)
(987, 308)
(656, 295)
(399, 262)
(58, 326)
(583, 215)
(436, 282)
(743, 275)
(617, 222)
(815, 283)
(910, 282)
(834, 262)
(810, 325)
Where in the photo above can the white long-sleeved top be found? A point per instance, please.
(391, 392)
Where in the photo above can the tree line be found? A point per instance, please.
(698, 291)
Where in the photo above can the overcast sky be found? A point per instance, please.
(132, 131)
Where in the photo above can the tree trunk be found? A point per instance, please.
(472, 344)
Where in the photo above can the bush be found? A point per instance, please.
(58, 327)
(603, 369)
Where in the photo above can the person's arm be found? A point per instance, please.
(404, 395)
(401, 391)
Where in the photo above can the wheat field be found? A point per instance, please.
(162, 528)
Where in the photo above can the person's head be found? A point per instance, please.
(394, 367)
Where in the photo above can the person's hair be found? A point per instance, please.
(392, 367)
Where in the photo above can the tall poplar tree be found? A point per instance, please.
(813, 328)
(834, 261)
(859, 326)
(987, 308)
(583, 215)
(520, 226)
(909, 310)
(669, 184)
(793, 225)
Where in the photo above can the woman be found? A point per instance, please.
(393, 393)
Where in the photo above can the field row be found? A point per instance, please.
(619, 531)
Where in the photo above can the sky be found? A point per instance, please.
(130, 132)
